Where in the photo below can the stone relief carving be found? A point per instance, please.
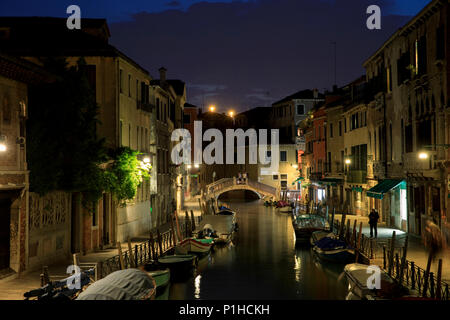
(51, 209)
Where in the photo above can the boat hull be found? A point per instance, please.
(196, 246)
(162, 279)
(303, 235)
(181, 266)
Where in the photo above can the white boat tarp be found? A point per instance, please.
(221, 224)
(129, 284)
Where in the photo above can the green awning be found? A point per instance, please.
(357, 189)
(383, 187)
(298, 179)
(330, 181)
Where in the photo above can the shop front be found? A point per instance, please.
(393, 196)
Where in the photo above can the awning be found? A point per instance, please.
(380, 189)
(357, 189)
(298, 179)
(330, 181)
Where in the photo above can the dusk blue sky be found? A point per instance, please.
(240, 54)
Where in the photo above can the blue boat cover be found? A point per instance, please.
(328, 243)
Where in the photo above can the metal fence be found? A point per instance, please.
(414, 277)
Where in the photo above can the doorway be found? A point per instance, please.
(106, 219)
(75, 238)
(5, 222)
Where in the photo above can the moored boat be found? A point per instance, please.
(358, 278)
(334, 250)
(162, 279)
(195, 246)
(219, 227)
(306, 225)
(128, 284)
(180, 266)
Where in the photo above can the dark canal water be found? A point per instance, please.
(262, 263)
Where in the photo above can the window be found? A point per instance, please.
(340, 128)
(403, 71)
(137, 90)
(129, 85)
(275, 177)
(345, 125)
(129, 135)
(283, 176)
(389, 79)
(440, 43)
(331, 130)
(283, 156)
(300, 109)
(284, 184)
(95, 215)
(186, 118)
(421, 56)
(121, 133)
(121, 80)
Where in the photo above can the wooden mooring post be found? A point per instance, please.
(341, 229)
(426, 276)
(133, 262)
(359, 243)
(152, 245)
(404, 262)
(438, 281)
(161, 252)
(121, 261)
(174, 241)
(192, 220)
(391, 254)
(187, 224)
(332, 220)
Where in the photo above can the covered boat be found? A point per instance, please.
(222, 225)
(129, 284)
(334, 250)
(317, 235)
(358, 278)
(305, 225)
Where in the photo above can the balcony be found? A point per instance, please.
(357, 176)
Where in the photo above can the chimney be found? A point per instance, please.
(162, 74)
(316, 93)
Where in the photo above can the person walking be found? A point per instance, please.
(373, 222)
(433, 238)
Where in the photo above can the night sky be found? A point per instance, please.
(240, 54)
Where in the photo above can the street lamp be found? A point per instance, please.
(189, 166)
(2, 143)
(348, 161)
(196, 165)
(295, 166)
(423, 155)
(212, 108)
(231, 114)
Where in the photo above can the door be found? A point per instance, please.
(419, 204)
(106, 220)
(75, 240)
(5, 222)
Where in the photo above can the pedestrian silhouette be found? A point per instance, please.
(373, 222)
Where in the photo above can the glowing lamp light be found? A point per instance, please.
(146, 160)
(231, 114)
(189, 166)
(423, 155)
(196, 166)
(2, 147)
(295, 166)
(348, 161)
(212, 108)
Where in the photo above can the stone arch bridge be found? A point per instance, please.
(215, 189)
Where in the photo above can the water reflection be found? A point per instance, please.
(262, 262)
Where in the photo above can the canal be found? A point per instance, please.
(262, 263)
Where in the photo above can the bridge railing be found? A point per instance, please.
(262, 187)
(230, 182)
